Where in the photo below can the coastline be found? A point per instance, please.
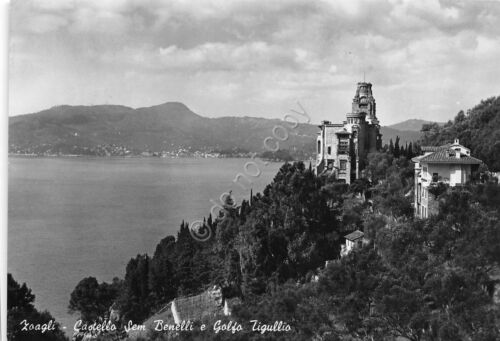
(121, 157)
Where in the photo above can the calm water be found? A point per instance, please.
(70, 218)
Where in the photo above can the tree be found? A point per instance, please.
(135, 301)
(163, 277)
(397, 151)
(378, 164)
(409, 152)
(289, 231)
(93, 300)
(20, 307)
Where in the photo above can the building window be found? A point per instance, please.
(343, 146)
(435, 177)
(319, 147)
(343, 164)
(329, 150)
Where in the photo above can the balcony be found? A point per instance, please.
(343, 149)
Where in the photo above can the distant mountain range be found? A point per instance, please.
(411, 125)
(170, 127)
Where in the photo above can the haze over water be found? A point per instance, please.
(71, 218)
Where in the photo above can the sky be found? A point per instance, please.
(426, 59)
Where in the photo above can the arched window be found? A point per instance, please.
(319, 147)
(329, 150)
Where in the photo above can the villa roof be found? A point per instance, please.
(354, 235)
(448, 156)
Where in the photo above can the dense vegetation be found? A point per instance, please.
(478, 129)
(420, 279)
(431, 279)
(20, 307)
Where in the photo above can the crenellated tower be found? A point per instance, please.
(363, 101)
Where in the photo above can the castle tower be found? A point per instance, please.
(342, 149)
(363, 101)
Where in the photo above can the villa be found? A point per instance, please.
(450, 164)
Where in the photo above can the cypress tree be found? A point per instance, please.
(391, 147)
(397, 151)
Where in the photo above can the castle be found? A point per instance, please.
(342, 148)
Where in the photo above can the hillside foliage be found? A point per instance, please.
(432, 279)
(279, 253)
(21, 307)
(478, 129)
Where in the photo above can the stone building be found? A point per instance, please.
(342, 148)
(353, 241)
(450, 164)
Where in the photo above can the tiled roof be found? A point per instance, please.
(354, 235)
(448, 156)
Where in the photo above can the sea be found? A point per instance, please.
(75, 217)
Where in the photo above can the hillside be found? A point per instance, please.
(166, 127)
(170, 127)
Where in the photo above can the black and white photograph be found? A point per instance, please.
(241, 170)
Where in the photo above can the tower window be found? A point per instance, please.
(319, 147)
(329, 150)
(343, 164)
(343, 146)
